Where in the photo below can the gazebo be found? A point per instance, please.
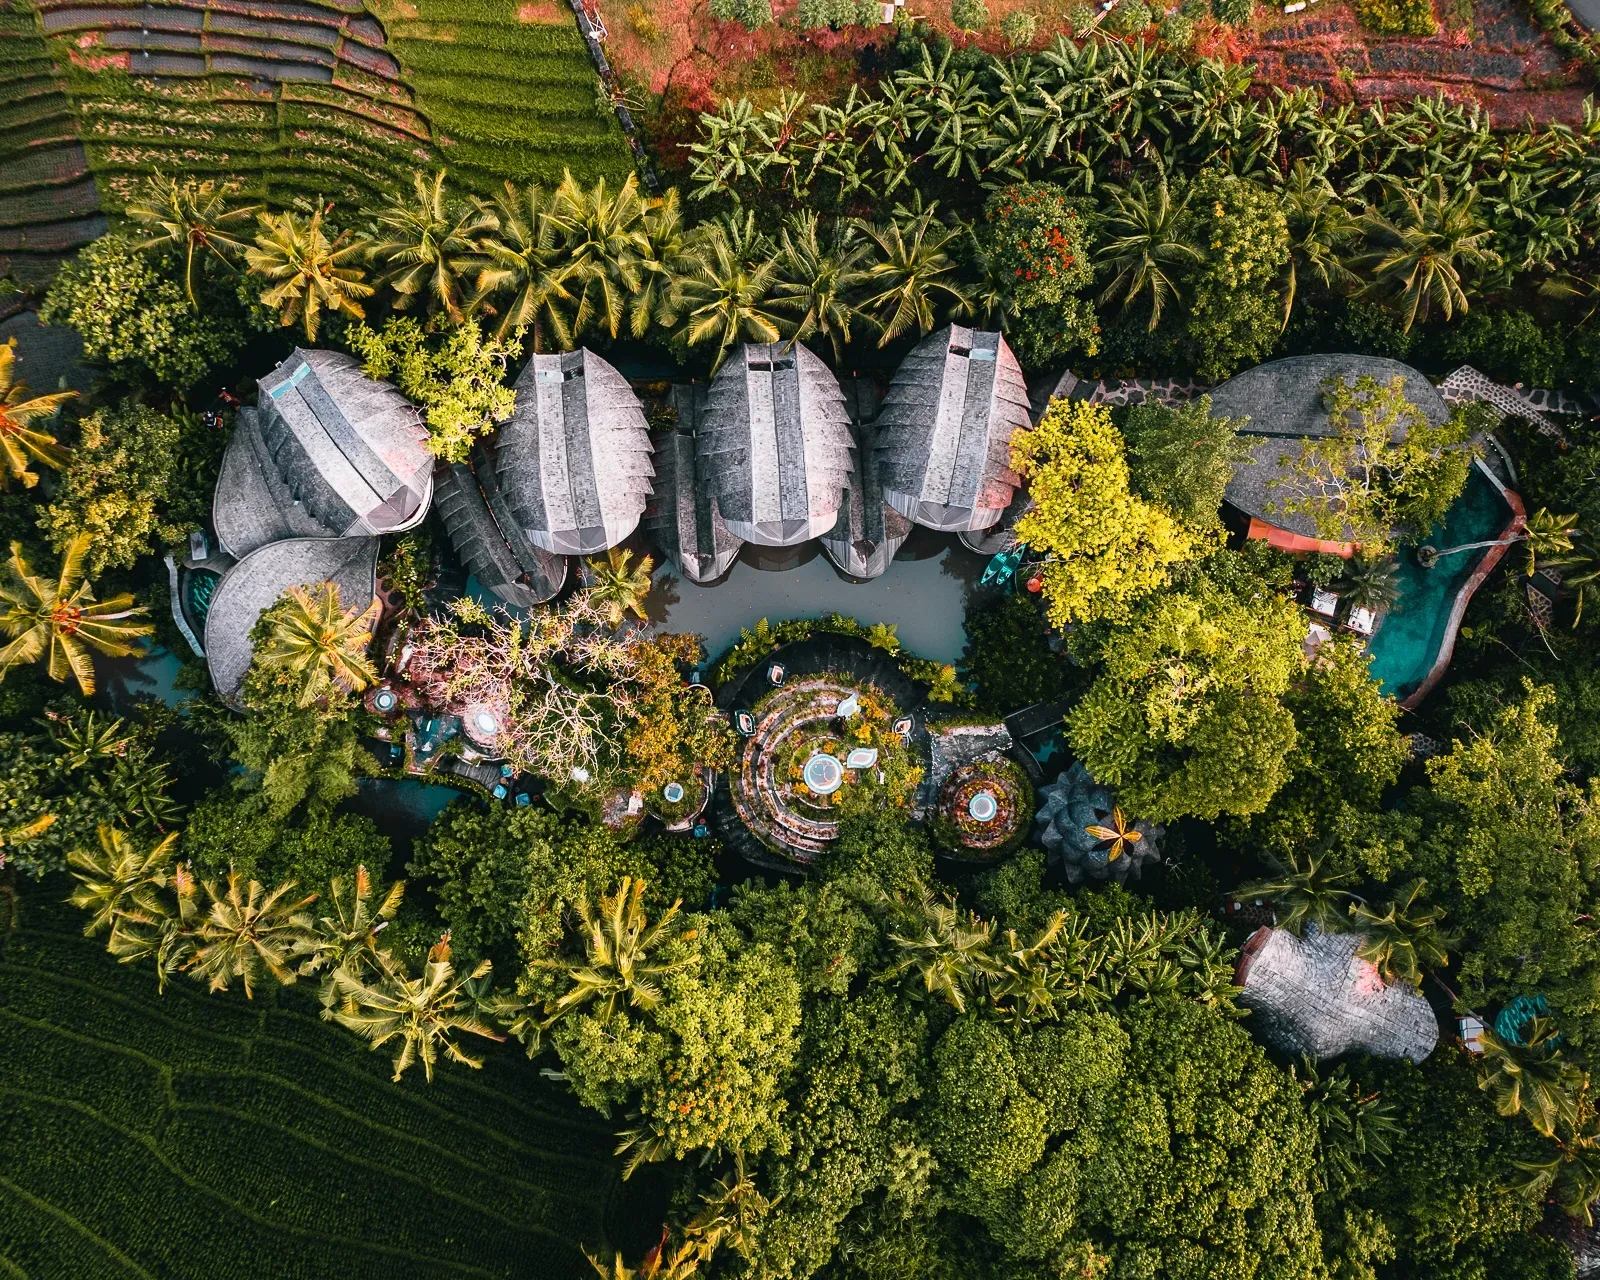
(327, 453)
(774, 445)
(573, 463)
(945, 430)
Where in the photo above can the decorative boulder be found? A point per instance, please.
(1084, 831)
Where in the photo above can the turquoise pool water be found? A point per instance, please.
(1419, 626)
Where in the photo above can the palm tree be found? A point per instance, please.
(1145, 243)
(951, 955)
(25, 833)
(347, 940)
(883, 635)
(1370, 582)
(83, 739)
(1320, 226)
(723, 294)
(606, 244)
(62, 620)
(1580, 573)
(20, 442)
(665, 259)
(1304, 894)
(1544, 536)
(525, 256)
(617, 964)
(816, 285)
(914, 268)
(1404, 938)
(1532, 1078)
(427, 245)
(306, 271)
(312, 637)
(192, 217)
(151, 927)
(423, 1014)
(119, 880)
(620, 586)
(248, 933)
(1424, 241)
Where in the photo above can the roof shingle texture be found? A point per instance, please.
(946, 426)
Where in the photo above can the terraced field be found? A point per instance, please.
(211, 1138)
(509, 88)
(295, 98)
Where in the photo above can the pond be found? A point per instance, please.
(1422, 624)
(923, 593)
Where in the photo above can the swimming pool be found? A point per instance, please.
(1413, 646)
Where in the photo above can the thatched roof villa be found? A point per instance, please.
(945, 430)
(774, 445)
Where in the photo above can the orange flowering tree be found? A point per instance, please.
(1035, 247)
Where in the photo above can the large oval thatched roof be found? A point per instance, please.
(945, 430)
(573, 463)
(774, 444)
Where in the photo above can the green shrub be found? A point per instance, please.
(1129, 18)
(750, 14)
(836, 14)
(969, 15)
(1510, 346)
(1008, 654)
(1081, 18)
(1019, 27)
(1235, 13)
(1177, 31)
(1035, 245)
(1398, 17)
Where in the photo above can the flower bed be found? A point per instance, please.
(679, 815)
(963, 822)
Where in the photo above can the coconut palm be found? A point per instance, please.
(120, 879)
(347, 940)
(1320, 227)
(248, 933)
(666, 257)
(620, 586)
(525, 259)
(950, 956)
(1146, 245)
(815, 285)
(1370, 582)
(152, 927)
(723, 296)
(1570, 1176)
(20, 442)
(307, 271)
(83, 739)
(313, 638)
(1533, 1078)
(884, 635)
(1580, 573)
(618, 966)
(193, 217)
(427, 245)
(1404, 938)
(1425, 241)
(1305, 894)
(422, 1014)
(606, 245)
(61, 621)
(913, 272)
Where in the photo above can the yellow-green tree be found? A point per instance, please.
(1107, 546)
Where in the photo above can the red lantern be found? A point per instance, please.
(1035, 585)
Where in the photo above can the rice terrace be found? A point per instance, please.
(799, 639)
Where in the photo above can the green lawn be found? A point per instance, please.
(209, 1137)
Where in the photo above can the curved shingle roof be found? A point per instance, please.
(945, 430)
(574, 461)
(509, 565)
(1283, 401)
(349, 452)
(774, 444)
(869, 531)
(683, 519)
(255, 584)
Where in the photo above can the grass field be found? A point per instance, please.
(195, 1137)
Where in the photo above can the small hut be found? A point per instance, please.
(573, 463)
(492, 546)
(327, 452)
(774, 445)
(1284, 403)
(257, 582)
(945, 430)
(1315, 996)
